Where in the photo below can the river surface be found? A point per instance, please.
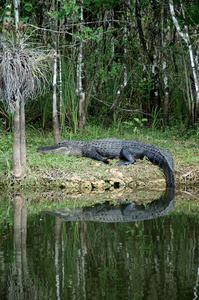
(124, 251)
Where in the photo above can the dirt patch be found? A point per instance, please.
(186, 174)
(100, 177)
(83, 177)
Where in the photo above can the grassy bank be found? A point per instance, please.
(49, 170)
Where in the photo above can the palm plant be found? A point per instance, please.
(21, 73)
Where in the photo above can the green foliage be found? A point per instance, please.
(140, 122)
(68, 8)
(70, 100)
(156, 118)
(29, 9)
(191, 17)
(103, 61)
(136, 125)
(6, 214)
(5, 161)
(28, 6)
(103, 4)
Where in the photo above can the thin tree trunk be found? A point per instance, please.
(56, 132)
(112, 109)
(155, 54)
(189, 98)
(60, 92)
(154, 93)
(165, 41)
(19, 139)
(140, 29)
(16, 169)
(81, 94)
(16, 12)
(186, 38)
(23, 137)
(166, 95)
(146, 57)
(82, 117)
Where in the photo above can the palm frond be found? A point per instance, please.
(22, 70)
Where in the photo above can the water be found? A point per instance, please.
(44, 256)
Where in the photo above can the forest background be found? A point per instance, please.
(123, 59)
(132, 64)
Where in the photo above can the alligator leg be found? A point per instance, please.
(92, 152)
(128, 155)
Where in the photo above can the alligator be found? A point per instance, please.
(123, 212)
(126, 150)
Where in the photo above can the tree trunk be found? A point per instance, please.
(22, 137)
(189, 97)
(16, 12)
(154, 48)
(166, 96)
(165, 40)
(185, 36)
(16, 169)
(146, 58)
(80, 93)
(56, 133)
(19, 143)
(82, 117)
(60, 93)
(112, 109)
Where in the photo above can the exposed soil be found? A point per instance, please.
(99, 177)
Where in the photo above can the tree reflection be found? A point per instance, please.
(55, 258)
(19, 282)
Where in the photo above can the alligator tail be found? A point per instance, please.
(165, 161)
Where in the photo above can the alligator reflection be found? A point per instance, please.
(123, 212)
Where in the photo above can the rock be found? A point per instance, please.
(100, 185)
(85, 187)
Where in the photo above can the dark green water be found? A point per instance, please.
(43, 257)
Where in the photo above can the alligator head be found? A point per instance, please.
(61, 149)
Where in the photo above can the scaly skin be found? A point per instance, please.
(126, 150)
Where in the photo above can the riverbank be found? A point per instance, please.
(83, 175)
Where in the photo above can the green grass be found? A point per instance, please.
(182, 144)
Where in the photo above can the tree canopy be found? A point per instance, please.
(117, 59)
